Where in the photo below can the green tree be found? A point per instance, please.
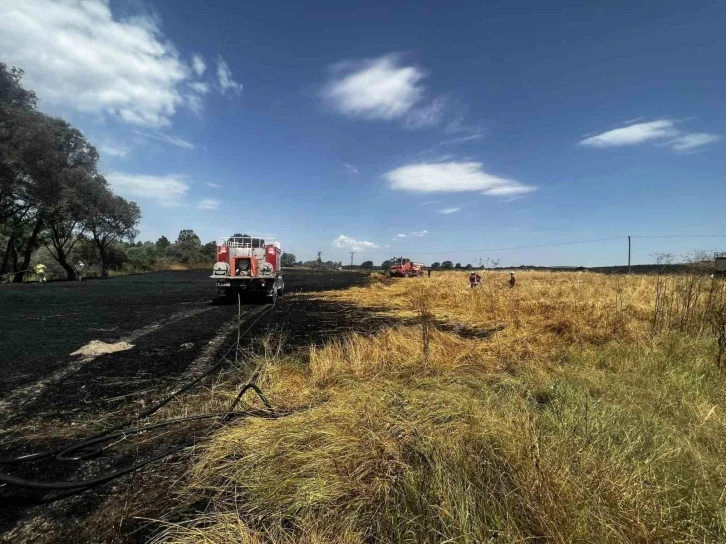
(209, 252)
(367, 265)
(458, 266)
(469, 267)
(288, 259)
(187, 248)
(142, 257)
(437, 264)
(162, 244)
(386, 264)
(111, 219)
(447, 265)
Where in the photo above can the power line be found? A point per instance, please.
(486, 250)
(495, 248)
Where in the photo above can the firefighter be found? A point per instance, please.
(40, 272)
(79, 270)
(512, 280)
(474, 280)
(429, 271)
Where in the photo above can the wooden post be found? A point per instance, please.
(628, 255)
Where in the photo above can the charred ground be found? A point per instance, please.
(176, 328)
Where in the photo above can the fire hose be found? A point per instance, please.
(89, 447)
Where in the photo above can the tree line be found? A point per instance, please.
(52, 195)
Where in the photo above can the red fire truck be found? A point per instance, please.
(248, 264)
(404, 268)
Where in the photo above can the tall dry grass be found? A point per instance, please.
(586, 418)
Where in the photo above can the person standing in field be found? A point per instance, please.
(474, 280)
(512, 280)
(79, 270)
(40, 272)
(429, 272)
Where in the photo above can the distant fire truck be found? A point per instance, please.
(404, 268)
(248, 264)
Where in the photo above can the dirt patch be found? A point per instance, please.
(96, 347)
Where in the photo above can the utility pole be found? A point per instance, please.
(351, 259)
(320, 256)
(628, 255)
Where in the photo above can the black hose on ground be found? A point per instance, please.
(88, 447)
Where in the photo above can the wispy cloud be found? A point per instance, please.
(166, 138)
(208, 204)
(419, 233)
(633, 134)
(224, 77)
(399, 236)
(198, 64)
(351, 244)
(662, 132)
(213, 185)
(463, 139)
(164, 190)
(82, 56)
(451, 177)
(449, 210)
(375, 88)
(694, 140)
(350, 168)
(383, 88)
(114, 150)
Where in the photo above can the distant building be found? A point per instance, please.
(719, 262)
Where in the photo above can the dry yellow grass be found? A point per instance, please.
(581, 420)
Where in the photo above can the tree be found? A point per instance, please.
(187, 248)
(437, 264)
(288, 259)
(209, 252)
(162, 244)
(367, 265)
(142, 257)
(447, 265)
(469, 267)
(111, 218)
(386, 264)
(458, 266)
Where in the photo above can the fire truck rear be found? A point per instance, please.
(248, 264)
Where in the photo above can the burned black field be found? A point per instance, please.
(176, 328)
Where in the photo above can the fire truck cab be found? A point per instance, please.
(248, 264)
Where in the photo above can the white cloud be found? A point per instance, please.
(689, 142)
(166, 138)
(208, 204)
(449, 210)
(76, 54)
(633, 134)
(451, 177)
(200, 87)
(375, 88)
(662, 132)
(509, 190)
(426, 116)
(351, 244)
(198, 64)
(400, 235)
(351, 168)
(419, 233)
(213, 185)
(113, 150)
(224, 78)
(165, 190)
(79, 55)
(463, 139)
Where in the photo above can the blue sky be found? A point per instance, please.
(428, 129)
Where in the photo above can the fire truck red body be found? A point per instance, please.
(248, 264)
(404, 268)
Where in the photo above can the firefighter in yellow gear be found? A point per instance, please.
(40, 272)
